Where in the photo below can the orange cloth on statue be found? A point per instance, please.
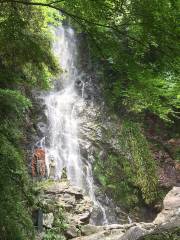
(38, 163)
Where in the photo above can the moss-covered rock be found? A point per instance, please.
(64, 209)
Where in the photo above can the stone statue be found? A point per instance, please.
(64, 174)
(38, 164)
(52, 168)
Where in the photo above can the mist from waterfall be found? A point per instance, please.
(62, 107)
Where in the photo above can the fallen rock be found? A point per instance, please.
(90, 229)
(71, 232)
(170, 215)
(62, 202)
(48, 220)
(172, 199)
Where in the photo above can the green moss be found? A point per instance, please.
(60, 221)
(15, 197)
(114, 182)
(129, 176)
(139, 164)
(51, 235)
(42, 185)
(57, 232)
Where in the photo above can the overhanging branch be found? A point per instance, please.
(78, 19)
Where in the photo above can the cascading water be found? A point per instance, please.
(62, 105)
(61, 112)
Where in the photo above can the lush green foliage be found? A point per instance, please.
(50, 235)
(14, 218)
(131, 175)
(137, 42)
(25, 61)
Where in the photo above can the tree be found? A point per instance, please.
(26, 61)
(138, 42)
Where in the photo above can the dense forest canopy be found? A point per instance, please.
(136, 42)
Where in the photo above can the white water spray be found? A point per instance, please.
(62, 105)
(61, 112)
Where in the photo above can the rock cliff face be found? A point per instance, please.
(98, 134)
(66, 212)
(98, 138)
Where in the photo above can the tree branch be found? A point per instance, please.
(78, 18)
(60, 1)
(58, 9)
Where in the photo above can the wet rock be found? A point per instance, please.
(77, 217)
(167, 176)
(103, 235)
(41, 128)
(169, 218)
(64, 187)
(71, 232)
(84, 217)
(76, 191)
(102, 155)
(69, 198)
(48, 220)
(56, 188)
(134, 233)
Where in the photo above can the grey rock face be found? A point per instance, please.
(98, 137)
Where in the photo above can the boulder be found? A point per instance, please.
(61, 200)
(84, 217)
(71, 232)
(172, 199)
(170, 215)
(89, 229)
(48, 220)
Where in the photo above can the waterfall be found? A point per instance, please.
(62, 106)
